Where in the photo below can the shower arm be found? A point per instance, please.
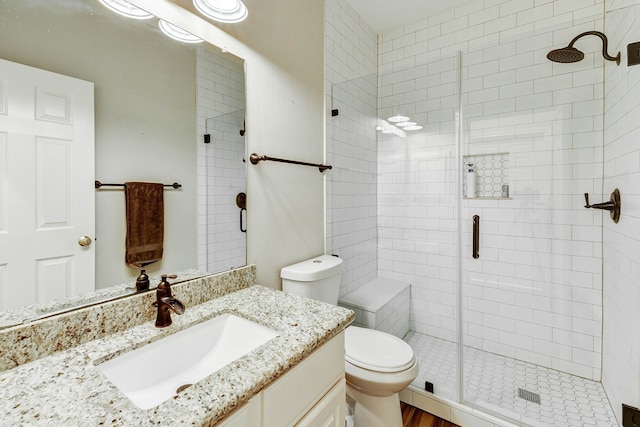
(605, 44)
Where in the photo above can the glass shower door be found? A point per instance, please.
(418, 208)
(531, 299)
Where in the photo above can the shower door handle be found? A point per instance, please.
(476, 236)
(243, 227)
(241, 202)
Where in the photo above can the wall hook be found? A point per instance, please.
(613, 205)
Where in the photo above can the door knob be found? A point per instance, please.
(84, 241)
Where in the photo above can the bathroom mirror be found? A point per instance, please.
(154, 100)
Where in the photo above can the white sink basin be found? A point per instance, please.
(153, 373)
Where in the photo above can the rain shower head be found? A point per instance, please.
(571, 54)
(565, 55)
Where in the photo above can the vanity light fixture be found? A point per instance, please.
(125, 8)
(398, 119)
(227, 11)
(397, 124)
(178, 33)
(405, 124)
(385, 127)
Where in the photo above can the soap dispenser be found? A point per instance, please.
(142, 282)
(471, 181)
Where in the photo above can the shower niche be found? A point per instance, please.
(491, 174)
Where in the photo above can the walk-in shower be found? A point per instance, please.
(515, 332)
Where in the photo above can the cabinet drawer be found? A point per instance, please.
(293, 395)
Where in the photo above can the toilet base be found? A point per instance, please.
(375, 411)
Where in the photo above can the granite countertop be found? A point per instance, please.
(65, 388)
(35, 312)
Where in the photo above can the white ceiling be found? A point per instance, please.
(384, 15)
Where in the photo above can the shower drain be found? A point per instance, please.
(529, 396)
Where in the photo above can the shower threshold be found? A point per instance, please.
(518, 392)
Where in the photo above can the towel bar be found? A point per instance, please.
(255, 159)
(100, 184)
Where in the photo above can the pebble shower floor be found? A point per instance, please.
(493, 382)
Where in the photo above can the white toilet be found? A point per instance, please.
(378, 365)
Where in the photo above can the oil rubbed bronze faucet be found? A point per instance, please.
(166, 303)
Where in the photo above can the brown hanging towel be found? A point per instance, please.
(145, 222)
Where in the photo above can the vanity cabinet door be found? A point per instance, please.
(248, 415)
(287, 401)
(330, 411)
(312, 394)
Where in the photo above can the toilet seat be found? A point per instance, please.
(377, 350)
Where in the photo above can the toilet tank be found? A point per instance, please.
(317, 278)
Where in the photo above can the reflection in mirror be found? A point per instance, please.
(221, 170)
(152, 98)
(224, 157)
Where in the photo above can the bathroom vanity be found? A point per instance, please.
(295, 378)
(310, 394)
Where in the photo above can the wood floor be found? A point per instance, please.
(414, 417)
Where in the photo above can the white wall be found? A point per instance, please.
(351, 88)
(535, 291)
(282, 44)
(285, 118)
(162, 152)
(621, 353)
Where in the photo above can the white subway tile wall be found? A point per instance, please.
(350, 68)
(535, 292)
(621, 358)
(382, 305)
(221, 171)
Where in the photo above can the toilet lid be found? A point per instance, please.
(376, 350)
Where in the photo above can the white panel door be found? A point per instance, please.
(46, 185)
